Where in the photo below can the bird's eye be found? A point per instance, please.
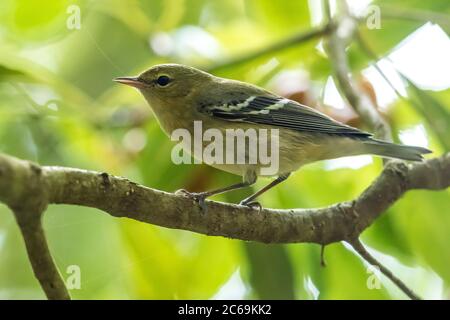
(163, 81)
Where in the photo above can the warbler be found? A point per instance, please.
(180, 95)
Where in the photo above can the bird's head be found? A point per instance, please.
(165, 82)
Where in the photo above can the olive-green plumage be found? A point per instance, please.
(180, 95)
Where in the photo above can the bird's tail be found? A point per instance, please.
(392, 150)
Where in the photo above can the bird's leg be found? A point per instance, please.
(249, 201)
(200, 197)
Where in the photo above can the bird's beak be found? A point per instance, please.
(131, 81)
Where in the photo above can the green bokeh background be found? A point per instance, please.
(58, 106)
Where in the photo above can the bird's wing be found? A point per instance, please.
(279, 112)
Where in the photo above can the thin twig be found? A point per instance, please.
(41, 260)
(283, 44)
(336, 46)
(358, 246)
(322, 256)
(372, 55)
(412, 102)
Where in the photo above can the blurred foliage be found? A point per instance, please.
(58, 106)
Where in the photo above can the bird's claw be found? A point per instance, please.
(251, 204)
(198, 197)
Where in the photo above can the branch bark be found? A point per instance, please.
(44, 268)
(21, 188)
(122, 198)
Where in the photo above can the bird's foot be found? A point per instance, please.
(198, 197)
(251, 204)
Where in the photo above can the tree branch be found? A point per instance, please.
(283, 44)
(41, 260)
(21, 188)
(358, 246)
(122, 198)
(335, 46)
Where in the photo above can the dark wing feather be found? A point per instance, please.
(282, 113)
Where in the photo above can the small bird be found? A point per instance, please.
(180, 95)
